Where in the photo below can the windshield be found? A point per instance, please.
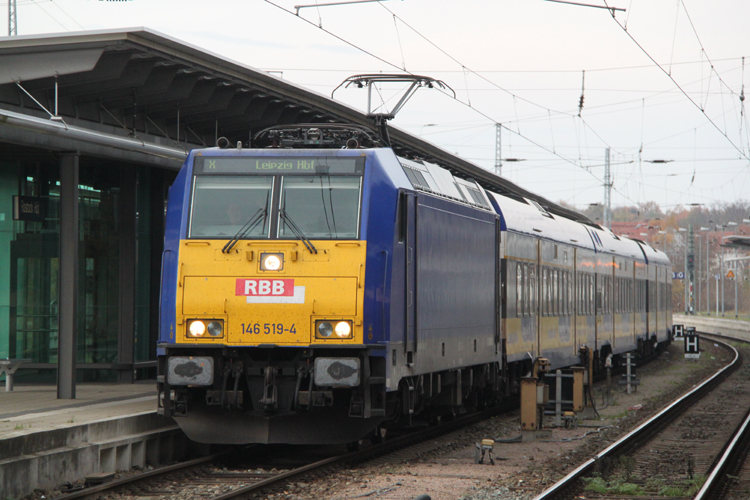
(223, 205)
(320, 206)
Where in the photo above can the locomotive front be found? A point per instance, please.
(262, 298)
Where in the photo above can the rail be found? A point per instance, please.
(645, 430)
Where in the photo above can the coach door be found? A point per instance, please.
(410, 327)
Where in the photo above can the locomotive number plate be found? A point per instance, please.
(267, 328)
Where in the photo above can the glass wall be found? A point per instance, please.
(99, 195)
(143, 283)
(32, 262)
(109, 239)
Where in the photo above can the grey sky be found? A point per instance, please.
(517, 62)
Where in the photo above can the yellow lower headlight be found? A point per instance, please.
(324, 329)
(343, 329)
(196, 328)
(205, 328)
(215, 328)
(333, 329)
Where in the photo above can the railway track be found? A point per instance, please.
(235, 475)
(671, 453)
(730, 477)
(243, 476)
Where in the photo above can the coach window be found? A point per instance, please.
(545, 292)
(586, 294)
(519, 290)
(571, 296)
(555, 309)
(628, 295)
(526, 290)
(571, 292)
(618, 296)
(532, 290)
(608, 295)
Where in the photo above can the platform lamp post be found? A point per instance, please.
(734, 261)
(685, 272)
(721, 263)
(745, 221)
(665, 240)
(708, 268)
(700, 270)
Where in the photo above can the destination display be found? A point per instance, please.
(276, 165)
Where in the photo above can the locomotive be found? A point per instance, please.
(323, 289)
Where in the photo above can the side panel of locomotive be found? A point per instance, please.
(443, 284)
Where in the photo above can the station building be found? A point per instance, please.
(93, 128)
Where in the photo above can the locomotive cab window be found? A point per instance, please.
(285, 197)
(223, 205)
(322, 207)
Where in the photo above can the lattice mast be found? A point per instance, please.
(607, 192)
(498, 149)
(690, 272)
(12, 18)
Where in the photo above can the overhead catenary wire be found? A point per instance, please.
(515, 97)
(371, 54)
(643, 49)
(49, 15)
(57, 4)
(511, 71)
(510, 127)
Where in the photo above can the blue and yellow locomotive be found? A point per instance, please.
(317, 294)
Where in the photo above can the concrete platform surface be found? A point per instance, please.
(35, 408)
(45, 441)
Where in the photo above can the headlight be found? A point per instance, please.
(343, 329)
(326, 329)
(205, 328)
(271, 261)
(215, 329)
(196, 329)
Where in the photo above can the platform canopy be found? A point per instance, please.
(741, 242)
(139, 95)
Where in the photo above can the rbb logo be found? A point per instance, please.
(264, 288)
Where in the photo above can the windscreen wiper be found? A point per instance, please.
(297, 232)
(259, 216)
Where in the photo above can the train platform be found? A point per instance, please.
(36, 408)
(45, 441)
